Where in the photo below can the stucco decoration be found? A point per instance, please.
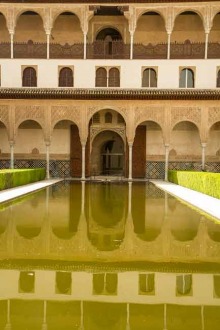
(192, 114)
(62, 112)
(149, 113)
(30, 112)
(4, 115)
(213, 115)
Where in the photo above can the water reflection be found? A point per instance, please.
(107, 256)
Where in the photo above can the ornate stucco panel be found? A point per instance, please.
(4, 115)
(64, 112)
(186, 113)
(213, 116)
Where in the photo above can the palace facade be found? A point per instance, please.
(110, 88)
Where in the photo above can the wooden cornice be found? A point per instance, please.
(109, 94)
(102, 1)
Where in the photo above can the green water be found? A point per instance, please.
(107, 256)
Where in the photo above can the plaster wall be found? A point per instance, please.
(130, 72)
(28, 139)
(4, 144)
(30, 28)
(67, 30)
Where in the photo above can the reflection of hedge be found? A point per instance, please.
(14, 178)
(204, 182)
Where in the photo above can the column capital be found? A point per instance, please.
(12, 143)
(47, 143)
(203, 144)
(166, 145)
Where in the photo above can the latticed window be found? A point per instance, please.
(29, 78)
(66, 77)
(218, 79)
(108, 118)
(96, 118)
(114, 77)
(186, 78)
(101, 77)
(149, 78)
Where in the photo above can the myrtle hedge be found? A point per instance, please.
(15, 178)
(204, 182)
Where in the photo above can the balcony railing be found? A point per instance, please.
(110, 50)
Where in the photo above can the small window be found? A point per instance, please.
(101, 77)
(96, 118)
(218, 79)
(63, 282)
(105, 284)
(29, 78)
(114, 78)
(66, 77)
(108, 118)
(26, 282)
(184, 285)
(146, 284)
(149, 78)
(186, 78)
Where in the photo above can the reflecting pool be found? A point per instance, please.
(105, 255)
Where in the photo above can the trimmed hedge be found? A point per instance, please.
(204, 182)
(15, 178)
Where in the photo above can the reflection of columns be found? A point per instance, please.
(131, 44)
(206, 44)
(130, 144)
(202, 318)
(83, 198)
(166, 161)
(48, 45)
(168, 45)
(81, 315)
(203, 145)
(83, 161)
(165, 317)
(8, 324)
(129, 197)
(12, 43)
(47, 160)
(44, 325)
(84, 45)
(128, 317)
(11, 154)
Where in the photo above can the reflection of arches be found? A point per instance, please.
(104, 160)
(28, 232)
(214, 231)
(184, 284)
(114, 315)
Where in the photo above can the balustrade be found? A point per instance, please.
(110, 50)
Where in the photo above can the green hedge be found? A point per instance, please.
(204, 182)
(15, 178)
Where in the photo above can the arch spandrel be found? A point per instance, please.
(162, 11)
(18, 11)
(123, 111)
(191, 114)
(63, 112)
(56, 12)
(215, 10)
(149, 113)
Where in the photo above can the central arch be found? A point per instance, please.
(108, 153)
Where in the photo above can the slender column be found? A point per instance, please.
(130, 145)
(128, 317)
(206, 44)
(131, 44)
(11, 154)
(47, 160)
(44, 325)
(48, 45)
(166, 161)
(84, 45)
(12, 43)
(202, 318)
(8, 324)
(168, 44)
(83, 161)
(165, 317)
(81, 315)
(203, 155)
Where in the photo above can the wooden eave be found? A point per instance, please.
(109, 2)
(108, 94)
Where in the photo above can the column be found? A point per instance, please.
(44, 325)
(12, 43)
(131, 44)
(128, 317)
(8, 324)
(166, 161)
(48, 45)
(202, 318)
(83, 161)
(165, 317)
(84, 45)
(168, 45)
(47, 160)
(206, 44)
(11, 154)
(130, 145)
(203, 145)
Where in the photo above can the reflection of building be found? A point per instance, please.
(63, 298)
(138, 86)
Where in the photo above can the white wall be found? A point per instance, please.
(84, 72)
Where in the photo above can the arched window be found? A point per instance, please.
(149, 78)
(101, 77)
(108, 118)
(114, 78)
(218, 79)
(186, 78)
(66, 77)
(29, 78)
(96, 118)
